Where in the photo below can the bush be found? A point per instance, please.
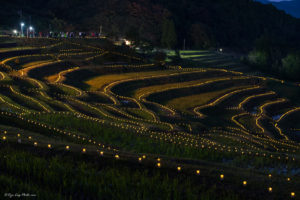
(291, 66)
(259, 59)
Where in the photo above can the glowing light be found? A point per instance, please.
(293, 194)
(117, 156)
(178, 168)
(244, 183)
(198, 172)
(222, 176)
(49, 146)
(270, 189)
(83, 150)
(67, 147)
(35, 143)
(158, 165)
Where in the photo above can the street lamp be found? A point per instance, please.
(15, 32)
(22, 24)
(30, 29)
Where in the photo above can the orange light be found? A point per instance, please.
(67, 147)
(293, 194)
(49, 146)
(35, 143)
(117, 156)
(83, 150)
(222, 176)
(4, 138)
(179, 168)
(198, 172)
(158, 165)
(140, 159)
(270, 189)
(244, 183)
(270, 175)
(101, 153)
(144, 157)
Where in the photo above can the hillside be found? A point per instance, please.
(74, 127)
(291, 7)
(202, 24)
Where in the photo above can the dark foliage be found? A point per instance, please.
(202, 23)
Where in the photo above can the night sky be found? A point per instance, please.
(292, 7)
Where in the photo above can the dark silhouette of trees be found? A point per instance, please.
(169, 36)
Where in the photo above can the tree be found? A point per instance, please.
(58, 24)
(291, 66)
(200, 36)
(169, 36)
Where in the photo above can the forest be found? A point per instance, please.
(201, 24)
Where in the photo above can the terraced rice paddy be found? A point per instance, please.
(217, 127)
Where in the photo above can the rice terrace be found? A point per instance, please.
(80, 120)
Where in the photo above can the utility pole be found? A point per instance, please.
(28, 35)
(100, 33)
(21, 16)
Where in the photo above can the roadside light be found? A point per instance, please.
(222, 176)
(270, 189)
(270, 175)
(292, 194)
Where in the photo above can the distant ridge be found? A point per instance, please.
(290, 7)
